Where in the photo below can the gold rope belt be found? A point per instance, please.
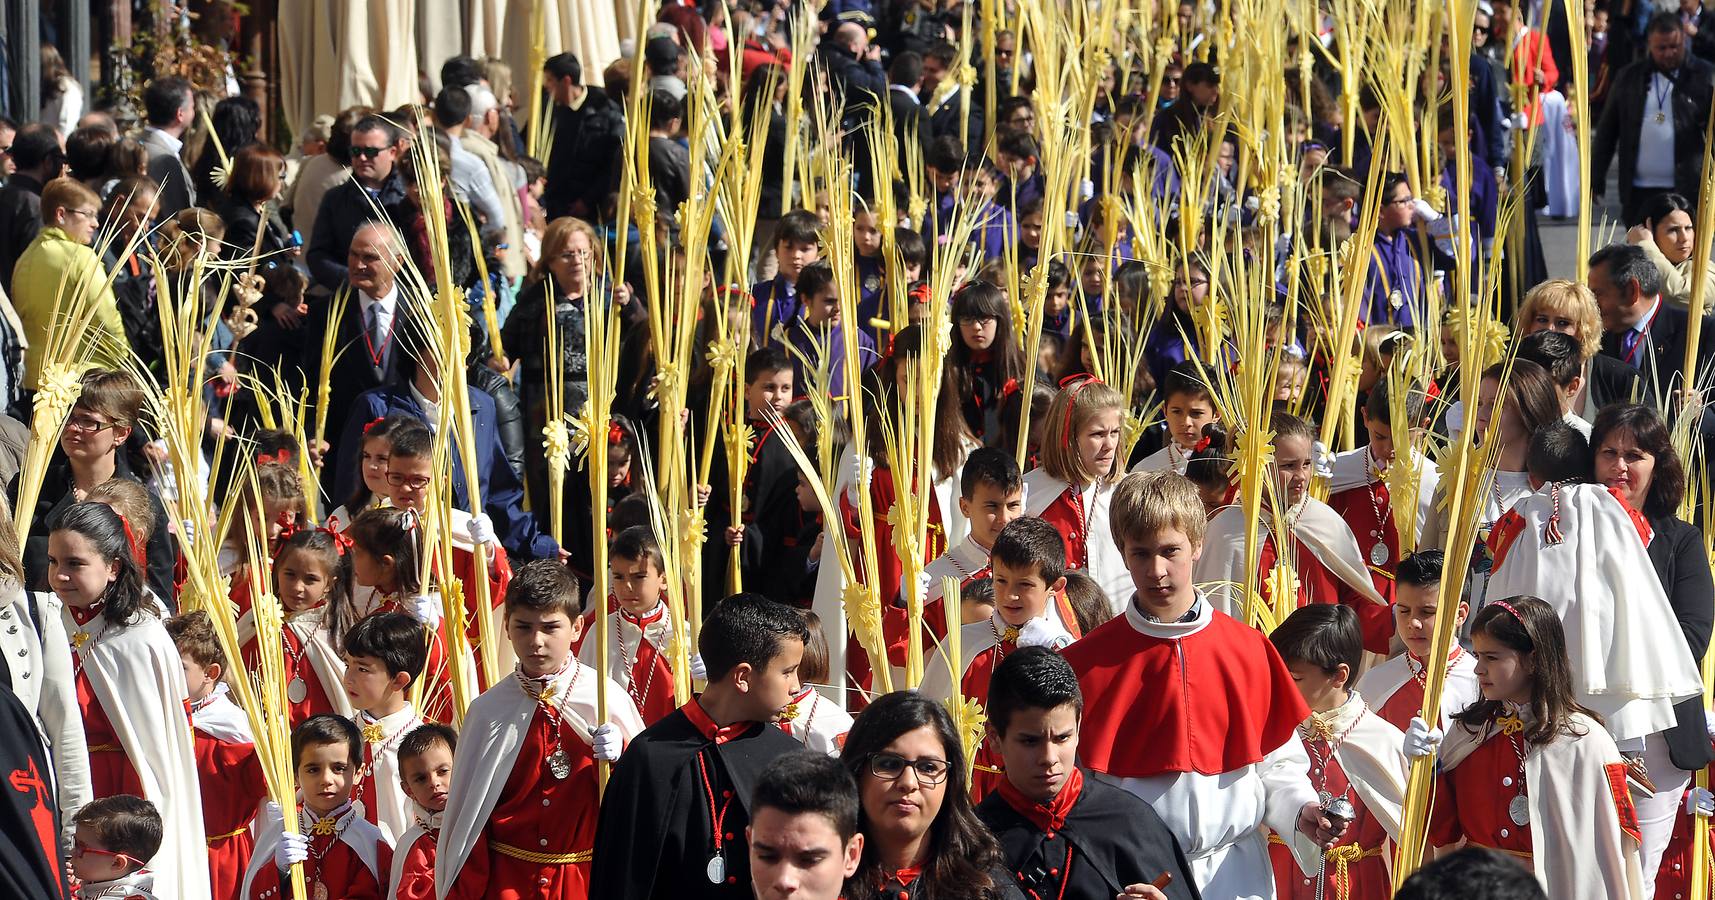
(1342, 857)
(541, 859)
(106, 748)
(217, 838)
(1520, 854)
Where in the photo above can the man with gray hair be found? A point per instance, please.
(477, 138)
(1639, 329)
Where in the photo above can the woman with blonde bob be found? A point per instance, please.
(1080, 463)
(1570, 308)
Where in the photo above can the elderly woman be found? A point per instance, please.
(1570, 308)
(1668, 237)
(61, 255)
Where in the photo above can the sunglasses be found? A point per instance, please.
(369, 152)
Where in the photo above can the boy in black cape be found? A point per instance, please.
(673, 819)
(29, 815)
(1063, 832)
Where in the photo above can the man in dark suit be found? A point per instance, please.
(170, 107)
(904, 97)
(1654, 119)
(36, 150)
(1638, 329)
(368, 355)
(943, 101)
(375, 182)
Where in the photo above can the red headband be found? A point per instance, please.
(370, 425)
(1072, 384)
(282, 457)
(1509, 608)
(615, 434)
(139, 554)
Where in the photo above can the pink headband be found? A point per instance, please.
(1509, 608)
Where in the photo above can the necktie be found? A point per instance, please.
(1629, 346)
(377, 336)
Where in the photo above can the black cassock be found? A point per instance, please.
(1109, 839)
(656, 835)
(29, 814)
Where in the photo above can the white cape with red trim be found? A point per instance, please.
(1577, 848)
(136, 673)
(1168, 459)
(1374, 762)
(1102, 558)
(816, 722)
(1221, 570)
(494, 729)
(975, 639)
(1459, 689)
(311, 628)
(221, 719)
(1352, 469)
(1628, 662)
(358, 834)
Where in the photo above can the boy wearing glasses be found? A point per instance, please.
(1064, 833)
(116, 836)
(675, 816)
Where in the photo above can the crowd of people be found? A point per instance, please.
(1139, 652)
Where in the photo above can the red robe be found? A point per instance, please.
(650, 681)
(437, 705)
(1358, 506)
(338, 868)
(989, 769)
(537, 813)
(110, 770)
(417, 869)
(1215, 701)
(894, 620)
(1471, 799)
(1364, 878)
(1316, 584)
(230, 775)
(464, 569)
(1673, 879)
(315, 700)
(1068, 516)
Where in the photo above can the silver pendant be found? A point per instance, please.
(716, 869)
(1660, 118)
(1396, 299)
(296, 690)
(1378, 555)
(320, 891)
(1519, 810)
(1323, 798)
(558, 765)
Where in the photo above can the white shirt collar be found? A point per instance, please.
(1642, 325)
(173, 143)
(905, 89)
(389, 301)
(1203, 610)
(431, 409)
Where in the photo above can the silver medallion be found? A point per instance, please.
(1378, 555)
(296, 690)
(1323, 798)
(319, 891)
(1519, 810)
(559, 765)
(716, 869)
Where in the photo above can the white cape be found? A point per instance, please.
(1221, 570)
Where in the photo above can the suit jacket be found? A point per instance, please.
(345, 209)
(502, 490)
(354, 370)
(20, 222)
(1659, 353)
(1676, 552)
(1622, 118)
(1612, 381)
(910, 123)
(168, 169)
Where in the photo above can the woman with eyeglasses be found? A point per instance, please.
(922, 838)
(61, 255)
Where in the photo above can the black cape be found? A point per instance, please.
(29, 812)
(654, 837)
(1115, 838)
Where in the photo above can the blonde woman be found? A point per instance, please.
(1570, 308)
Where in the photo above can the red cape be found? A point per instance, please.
(1214, 701)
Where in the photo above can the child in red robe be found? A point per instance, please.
(521, 816)
(426, 772)
(342, 855)
(1360, 492)
(227, 766)
(384, 657)
(1394, 687)
(312, 578)
(641, 628)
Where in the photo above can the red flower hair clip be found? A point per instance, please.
(615, 434)
(281, 457)
(1201, 445)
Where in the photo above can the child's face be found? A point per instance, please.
(867, 233)
(1030, 230)
(1093, 277)
(325, 776)
(367, 683)
(428, 776)
(768, 389)
(93, 863)
(822, 309)
(1322, 690)
(975, 609)
(792, 256)
(408, 479)
(618, 466)
(369, 570)
(978, 332)
(303, 580)
(1381, 440)
(1503, 673)
(1449, 346)
(199, 681)
(1293, 465)
(1021, 593)
(1059, 299)
(1186, 414)
(773, 686)
(1040, 748)
(989, 508)
(1099, 442)
(944, 181)
(1160, 564)
(77, 573)
(806, 494)
(1415, 609)
(1289, 384)
(542, 639)
(373, 459)
(638, 585)
(1015, 167)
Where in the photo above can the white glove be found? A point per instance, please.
(1087, 189)
(292, 849)
(1043, 633)
(1699, 802)
(605, 743)
(272, 815)
(1518, 120)
(1420, 739)
(1422, 211)
(1324, 460)
(427, 609)
(1072, 219)
(1709, 722)
(699, 671)
(481, 529)
(923, 583)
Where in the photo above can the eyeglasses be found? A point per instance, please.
(1407, 200)
(86, 213)
(974, 321)
(78, 848)
(369, 152)
(889, 766)
(414, 482)
(88, 424)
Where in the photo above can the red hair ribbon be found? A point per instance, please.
(615, 434)
(1072, 384)
(370, 425)
(139, 553)
(341, 543)
(1202, 444)
(281, 457)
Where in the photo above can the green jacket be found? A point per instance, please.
(53, 263)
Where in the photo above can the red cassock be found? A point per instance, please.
(541, 816)
(1068, 516)
(298, 666)
(1359, 873)
(650, 681)
(1215, 701)
(417, 870)
(1359, 506)
(1471, 800)
(334, 864)
(1316, 584)
(1673, 879)
(110, 770)
(990, 769)
(894, 630)
(464, 569)
(230, 775)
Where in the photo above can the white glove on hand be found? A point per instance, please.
(1421, 740)
(1324, 461)
(1518, 120)
(923, 583)
(481, 529)
(1087, 189)
(605, 743)
(1422, 211)
(699, 671)
(292, 849)
(1043, 633)
(427, 609)
(1699, 802)
(1709, 722)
